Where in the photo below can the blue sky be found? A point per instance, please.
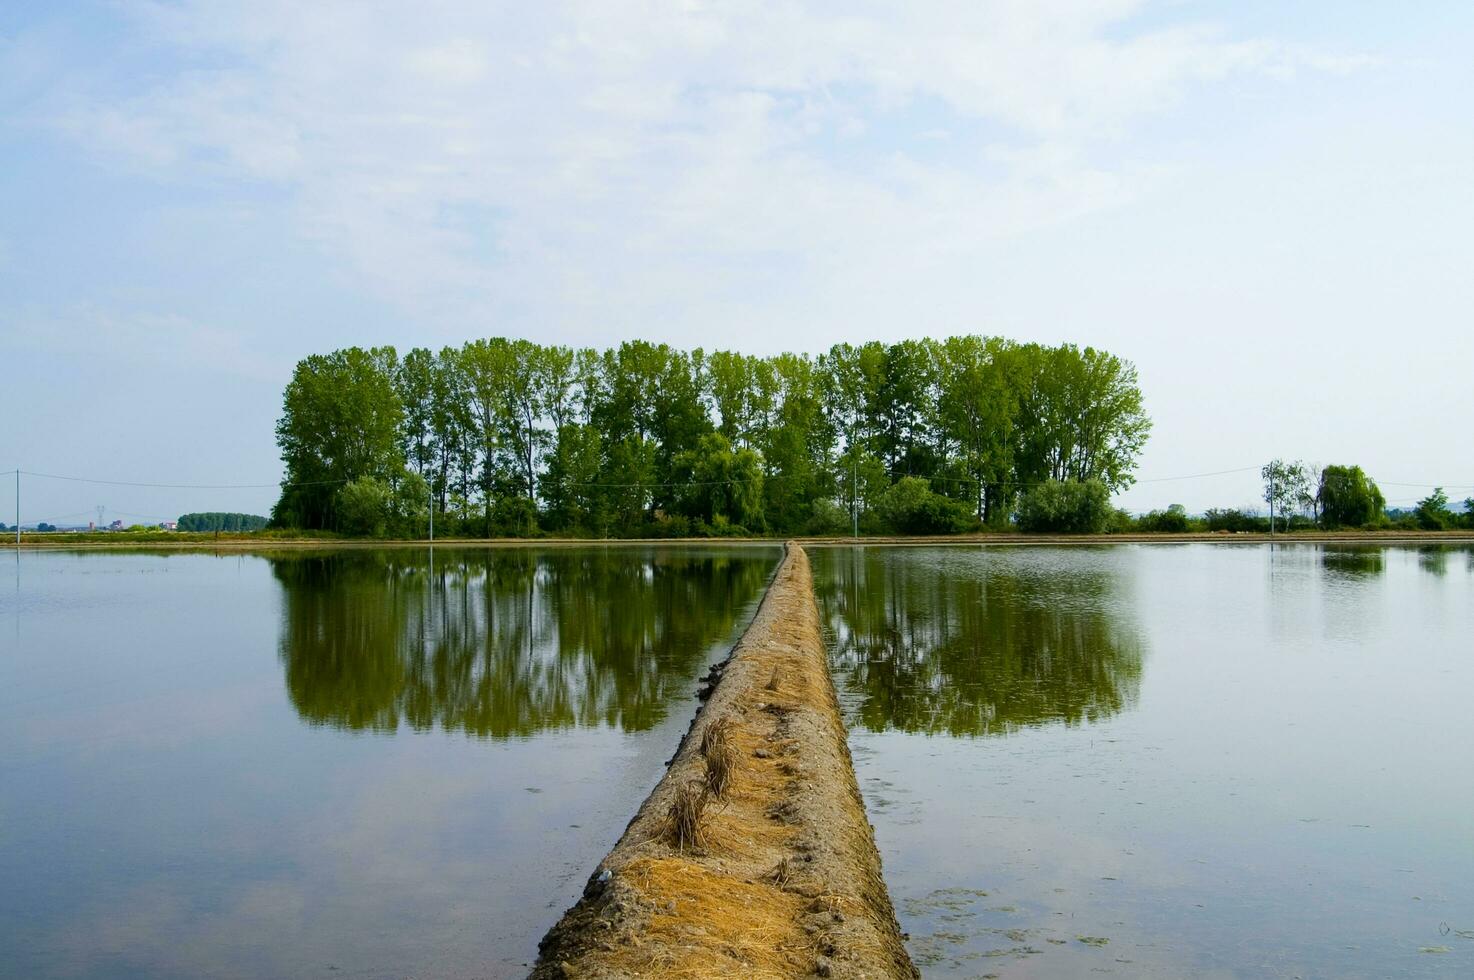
(1265, 206)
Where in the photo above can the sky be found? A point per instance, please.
(1266, 207)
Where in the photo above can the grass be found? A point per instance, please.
(720, 754)
(709, 925)
(683, 827)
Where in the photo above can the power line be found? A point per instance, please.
(181, 486)
(1198, 476)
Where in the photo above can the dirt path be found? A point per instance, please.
(752, 857)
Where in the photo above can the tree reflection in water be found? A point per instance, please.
(977, 643)
(506, 643)
(1353, 563)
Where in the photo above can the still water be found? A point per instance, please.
(1166, 761)
(348, 764)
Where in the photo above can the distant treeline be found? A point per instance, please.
(1304, 497)
(214, 521)
(508, 437)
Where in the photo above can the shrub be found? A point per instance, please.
(1081, 507)
(827, 517)
(1173, 520)
(720, 527)
(363, 507)
(910, 506)
(671, 526)
(513, 516)
(1234, 519)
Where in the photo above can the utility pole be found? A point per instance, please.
(854, 495)
(432, 516)
(17, 508)
(1271, 500)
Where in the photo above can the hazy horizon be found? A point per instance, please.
(1265, 209)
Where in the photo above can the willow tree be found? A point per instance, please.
(1348, 498)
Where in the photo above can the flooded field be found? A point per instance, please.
(1165, 761)
(340, 765)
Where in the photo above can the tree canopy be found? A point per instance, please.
(1348, 498)
(217, 521)
(513, 437)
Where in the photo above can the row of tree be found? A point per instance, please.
(221, 521)
(1345, 497)
(1306, 496)
(504, 436)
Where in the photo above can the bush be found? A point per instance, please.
(370, 508)
(363, 507)
(1234, 520)
(910, 506)
(1173, 520)
(1081, 507)
(827, 517)
(720, 527)
(513, 516)
(670, 526)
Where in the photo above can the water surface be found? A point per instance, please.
(348, 764)
(1166, 761)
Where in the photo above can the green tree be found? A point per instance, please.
(797, 446)
(216, 521)
(415, 383)
(341, 420)
(1081, 416)
(1286, 489)
(977, 408)
(570, 485)
(730, 381)
(1348, 498)
(719, 482)
(509, 433)
(1432, 512)
(905, 405)
(453, 429)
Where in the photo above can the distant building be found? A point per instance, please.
(168, 525)
(115, 526)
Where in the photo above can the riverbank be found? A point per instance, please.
(185, 541)
(752, 856)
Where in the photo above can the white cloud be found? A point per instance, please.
(567, 160)
(141, 337)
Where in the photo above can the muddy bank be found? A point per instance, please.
(752, 856)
